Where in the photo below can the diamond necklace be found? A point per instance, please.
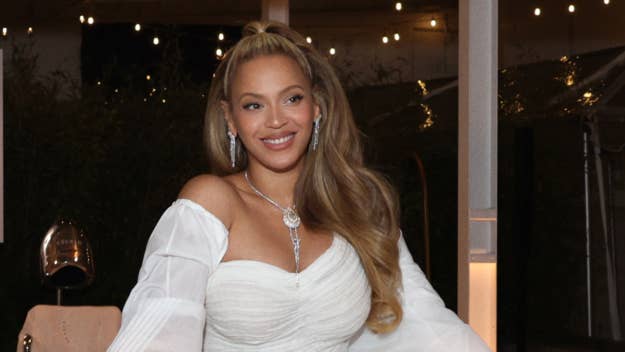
(290, 220)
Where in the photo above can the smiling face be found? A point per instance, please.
(271, 109)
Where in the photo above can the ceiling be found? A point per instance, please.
(234, 12)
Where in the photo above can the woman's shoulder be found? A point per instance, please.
(215, 194)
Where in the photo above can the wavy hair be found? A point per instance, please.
(335, 191)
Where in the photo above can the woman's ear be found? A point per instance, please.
(225, 107)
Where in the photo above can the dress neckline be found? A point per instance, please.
(309, 267)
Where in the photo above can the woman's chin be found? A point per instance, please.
(286, 165)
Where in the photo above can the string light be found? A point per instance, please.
(571, 8)
(309, 40)
(219, 52)
(81, 18)
(588, 99)
(433, 23)
(396, 37)
(384, 39)
(4, 31)
(164, 101)
(332, 51)
(155, 40)
(148, 77)
(607, 2)
(537, 11)
(220, 36)
(90, 20)
(29, 30)
(99, 83)
(137, 27)
(398, 6)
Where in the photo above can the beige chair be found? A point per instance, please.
(68, 329)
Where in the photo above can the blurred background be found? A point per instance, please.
(103, 111)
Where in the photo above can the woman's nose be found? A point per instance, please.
(276, 118)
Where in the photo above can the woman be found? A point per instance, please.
(292, 244)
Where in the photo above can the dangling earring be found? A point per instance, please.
(315, 134)
(233, 149)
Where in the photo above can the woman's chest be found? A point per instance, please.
(252, 302)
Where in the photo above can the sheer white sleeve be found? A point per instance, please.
(426, 325)
(165, 310)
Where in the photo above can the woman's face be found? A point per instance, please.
(271, 109)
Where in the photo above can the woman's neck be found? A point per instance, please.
(279, 186)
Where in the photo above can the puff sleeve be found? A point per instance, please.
(426, 325)
(165, 310)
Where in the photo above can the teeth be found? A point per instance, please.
(278, 140)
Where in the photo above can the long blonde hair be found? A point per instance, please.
(335, 192)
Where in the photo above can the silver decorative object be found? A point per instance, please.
(66, 258)
(233, 149)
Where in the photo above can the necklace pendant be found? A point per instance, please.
(290, 218)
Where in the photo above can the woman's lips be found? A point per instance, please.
(280, 142)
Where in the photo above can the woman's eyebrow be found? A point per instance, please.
(291, 87)
(253, 95)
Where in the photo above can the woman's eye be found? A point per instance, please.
(294, 99)
(251, 106)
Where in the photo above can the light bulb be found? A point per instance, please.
(148, 77)
(220, 36)
(433, 23)
(607, 2)
(219, 52)
(90, 20)
(29, 30)
(4, 31)
(396, 36)
(137, 27)
(332, 51)
(571, 8)
(384, 39)
(155, 41)
(398, 6)
(81, 18)
(309, 40)
(537, 11)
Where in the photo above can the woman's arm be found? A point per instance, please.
(426, 325)
(165, 310)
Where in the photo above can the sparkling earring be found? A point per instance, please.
(315, 135)
(233, 149)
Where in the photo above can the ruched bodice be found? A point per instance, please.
(187, 299)
(254, 305)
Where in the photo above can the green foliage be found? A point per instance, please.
(109, 159)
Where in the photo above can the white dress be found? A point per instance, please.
(186, 299)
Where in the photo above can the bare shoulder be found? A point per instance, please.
(214, 194)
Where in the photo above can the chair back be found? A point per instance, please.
(64, 328)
